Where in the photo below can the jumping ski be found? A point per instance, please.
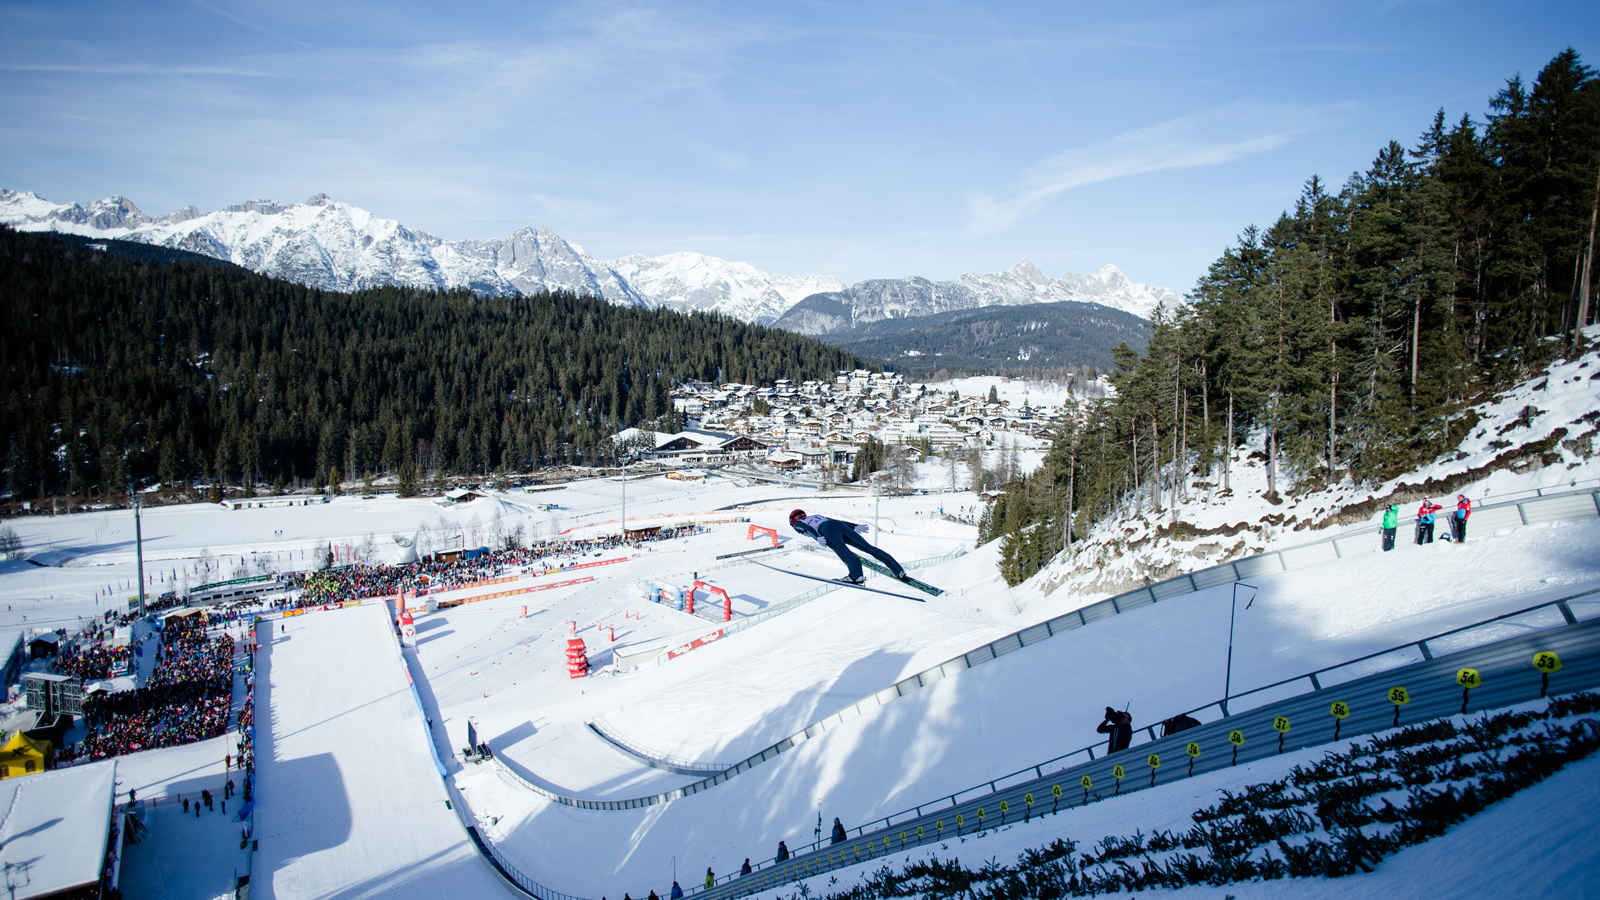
(908, 580)
(838, 582)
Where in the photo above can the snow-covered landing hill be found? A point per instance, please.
(1543, 433)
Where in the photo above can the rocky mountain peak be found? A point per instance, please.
(263, 207)
(1027, 271)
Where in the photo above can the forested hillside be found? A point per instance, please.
(119, 369)
(998, 339)
(1351, 334)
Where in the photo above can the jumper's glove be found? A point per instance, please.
(863, 529)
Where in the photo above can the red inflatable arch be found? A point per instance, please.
(727, 602)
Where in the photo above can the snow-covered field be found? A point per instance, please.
(351, 804)
(1014, 391)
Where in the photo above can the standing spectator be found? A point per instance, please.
(677, 892)
(1458, 522)
(1120, 726)
(838, 831)
(1425, 521)
(783, 852)
(1391, 521)
(745, 869)
(711, 878)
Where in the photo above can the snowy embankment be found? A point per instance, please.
(1541, 434)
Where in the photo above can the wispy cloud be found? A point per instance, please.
(249, 24)
(1211, 138)
(137, 69)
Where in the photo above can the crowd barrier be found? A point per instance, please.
(462, 601)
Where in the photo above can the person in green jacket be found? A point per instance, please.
(1391, 521)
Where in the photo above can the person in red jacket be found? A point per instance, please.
(1458, 521)
(1425, 521)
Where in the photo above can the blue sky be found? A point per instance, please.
(859, 140)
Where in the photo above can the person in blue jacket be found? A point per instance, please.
(838, 535)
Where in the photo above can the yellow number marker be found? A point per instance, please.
(1280, 724)
(1399, 696)
(1468, 678)
(1339, 710)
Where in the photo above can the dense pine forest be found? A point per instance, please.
(121, 370)
(1350, 335)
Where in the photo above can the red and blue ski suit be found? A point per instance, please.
(1458, 522)
(837, 535)
(1425, 521)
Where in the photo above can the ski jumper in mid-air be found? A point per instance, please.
(838, 535)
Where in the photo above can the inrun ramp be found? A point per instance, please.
(349, 798)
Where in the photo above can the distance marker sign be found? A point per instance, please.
(1399, 696)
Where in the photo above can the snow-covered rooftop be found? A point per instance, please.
(55, 828)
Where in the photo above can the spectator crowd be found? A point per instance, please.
(187, 697)
(91, 656)
(360, 580)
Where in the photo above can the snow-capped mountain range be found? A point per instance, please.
(328, 244)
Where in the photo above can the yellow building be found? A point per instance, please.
(23, 755)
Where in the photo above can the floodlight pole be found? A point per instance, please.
(1227, 678)
(138, 543)
(623, 474)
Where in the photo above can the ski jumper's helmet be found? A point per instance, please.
(796, 515)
